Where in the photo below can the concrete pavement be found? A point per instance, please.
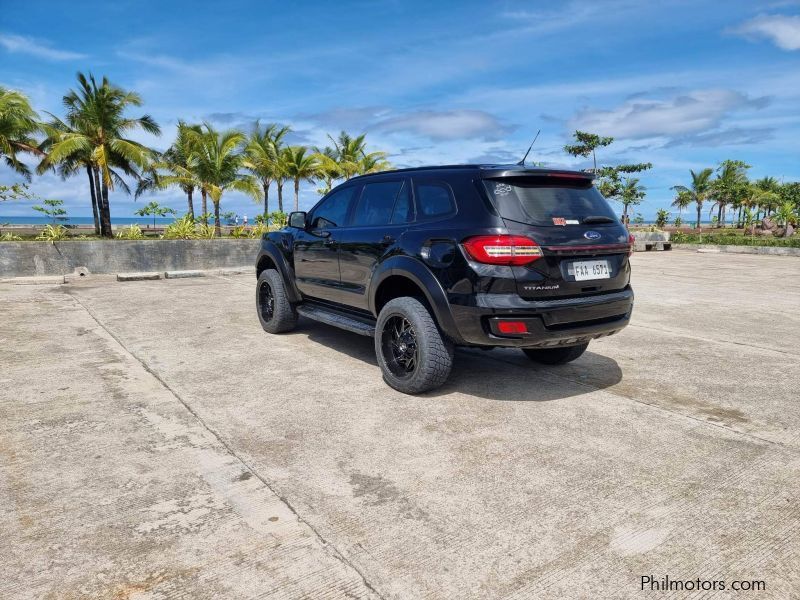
(156, 443)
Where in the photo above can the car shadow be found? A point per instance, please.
(501, 374)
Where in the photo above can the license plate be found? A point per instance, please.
(585, 270)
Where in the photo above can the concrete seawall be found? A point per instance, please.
(27, 259)
(768, 250)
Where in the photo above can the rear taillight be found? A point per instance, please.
(631, 240)
(502, 249)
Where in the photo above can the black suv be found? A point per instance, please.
(426, 259)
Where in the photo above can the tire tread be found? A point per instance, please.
(285, 317)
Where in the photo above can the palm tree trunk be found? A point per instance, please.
(94, 200)
(189, 201)
(266, 200)
(719, 215)
(204, 203)
(102, 199)
(297, 193)
(699, 215)
(280, 194)
(105, 214)
(217, 224)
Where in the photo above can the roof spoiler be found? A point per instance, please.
(500, 172)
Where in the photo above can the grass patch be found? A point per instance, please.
(732, 239)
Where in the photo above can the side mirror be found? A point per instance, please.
(297, 219)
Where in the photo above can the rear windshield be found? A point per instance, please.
(548, 200)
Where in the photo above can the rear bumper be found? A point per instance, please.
(560, 322)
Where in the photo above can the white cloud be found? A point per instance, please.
(570, 15)
(640, 118)
(782, 30)
(447, 124)
(25, 45)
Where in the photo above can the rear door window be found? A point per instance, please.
(547, 200)
(434, 200)
(403, 211)
(377, 203)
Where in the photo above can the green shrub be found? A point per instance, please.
(53, 233)
(239, 232)
(732, 239)
(181, 229)
(134, 232)
(259, 229)
(278, 219)
(205, 231)
(10, 237)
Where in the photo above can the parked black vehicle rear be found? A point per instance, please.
(426, 259)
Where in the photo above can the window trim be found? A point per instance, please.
(419, 214)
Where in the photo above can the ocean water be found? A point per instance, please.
(40, 221)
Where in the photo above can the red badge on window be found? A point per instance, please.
(559, 221)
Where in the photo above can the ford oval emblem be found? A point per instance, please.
(592, 235)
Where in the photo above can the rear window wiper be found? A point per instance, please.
(597, 219)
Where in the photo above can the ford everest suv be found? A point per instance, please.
(426, 259)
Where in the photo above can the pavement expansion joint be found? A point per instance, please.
(335, 552)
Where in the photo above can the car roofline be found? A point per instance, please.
(485, 170)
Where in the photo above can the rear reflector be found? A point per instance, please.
(502, 249)
(512, 327)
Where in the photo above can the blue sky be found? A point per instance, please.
(680, 84)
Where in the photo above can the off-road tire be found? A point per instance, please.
(555, 356)
(434, 352)
(283, 316)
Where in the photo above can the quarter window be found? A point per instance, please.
(434, 200)
(333, 210)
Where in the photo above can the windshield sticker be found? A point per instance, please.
(559, 221)
(502, 189)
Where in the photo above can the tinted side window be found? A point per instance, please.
(376, 203)
(435, 199)
(403, 207)
(333, 210)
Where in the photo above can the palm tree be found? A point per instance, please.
(765, 195)
(328, 169)
(730, 186)
(96, 116)
(178, 160)
(349, 150)
(682, 200)
(631, 194)
(785, 215)
(262, 157)
(81, 160)
(18, 125)
(348, 157)
(373, 162)
(297, 166)
(699, 191)
(219, 157)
